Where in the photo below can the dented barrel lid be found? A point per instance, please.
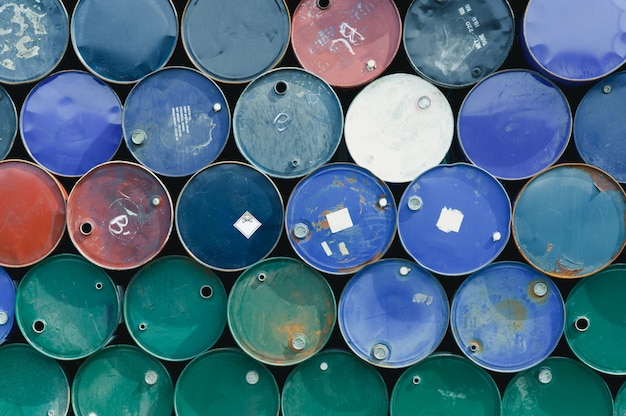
(8, 123)
(7, 304)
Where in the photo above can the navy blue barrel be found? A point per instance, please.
(8, 123)
(7, 304)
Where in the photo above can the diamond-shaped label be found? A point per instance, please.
(247, 224)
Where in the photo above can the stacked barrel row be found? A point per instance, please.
(314, 207)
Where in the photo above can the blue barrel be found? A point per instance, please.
(177, 112)
(7, 304)
(8, 123)
(340, 218)
(35, 35)
(507, 317)
(454, 219)
(288, 122)
(70, 122)
(393, 313)
(514, 124)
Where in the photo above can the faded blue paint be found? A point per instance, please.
(8, 123)
(7, 304)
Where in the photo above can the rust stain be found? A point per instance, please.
(351, 180)
(514, 310)
(337, 182)
(549, 248)
(349, 270)
(601, 181)
(563, 270)
(291, 329)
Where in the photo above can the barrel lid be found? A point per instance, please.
(178, 112)
(8, 123)
(281, 311)
(599, 126)
(7, 304)
(240, 386)
(393, 313)
(70, 122)
(33, 221)
(138, 38)
(288, 122)
(66, 307)
(507, 317)
(175, 308)
(413, 116)
(340, 218)
(568, 221)
(229, 215)
(456, 45)
(557, 386)
(514, 124)
(348, 43)
(122, 379)
(334, 383)
(454, 219)
(575, 41)
(31, 383)
(445, 384)
(237, 40)
(620, 401)
(32, 52)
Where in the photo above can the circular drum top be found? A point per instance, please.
(573, 40)
(66, 307)
(507, 317)
(398, 126)
(8, 123)
(469, 390)
(514, 124)
(599, 126)
(229, 216)
(174, 308)
(568, 221)
(281, 311)
(33, 222)
(119, 215)
(347, 43)
(237, 385)
(288, 122)
(557, 386)
(35, 34)
(620, 401)
(454, 219)
(7, 304)
(176, 112)
(393, 313)
(138, 38)
(237, 40)
(456, 44)
(340, 218)
(70, 122)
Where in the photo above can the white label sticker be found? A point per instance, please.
(327, 249)
(343, 248)
(181, 116)
(339, 220)
(247, 224)
(422, 298)
(450, 220)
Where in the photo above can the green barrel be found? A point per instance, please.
(226, 382)
(66, 307)
(620, 401)
(445, 385)
(175, 308)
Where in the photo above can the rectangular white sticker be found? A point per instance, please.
(343, 249)
(326, 248)
(339, 220)
(450, 220)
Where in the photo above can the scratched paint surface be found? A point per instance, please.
(7, 304)
(8, 123)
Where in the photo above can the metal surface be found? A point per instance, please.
(177, 112)
(288, 122)
(514, 124)
(568, 221)
(349, 215)
(7, 304)
(70, 122)
(619, 408)
(8, 122)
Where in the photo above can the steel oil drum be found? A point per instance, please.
(398, 126)
(288, 122)
(393, 313)
(7, 304)
(454, 219)
(31, 383)
(334, 383)
(340, 217)
(456, 44)
(178, 112)
(226, 382)
(138, 38)
(347, 43)
(33, 221)
(568, 221)
(507, 317)
(35, 35)
(229, 215)
(445, 384)
(514, 124)
(619, 408)
(281, 311)
(557, 386)
(175, 308)
(70, 122)
(122, 380)
(238, 40)
(8, 123)
(119, 215)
